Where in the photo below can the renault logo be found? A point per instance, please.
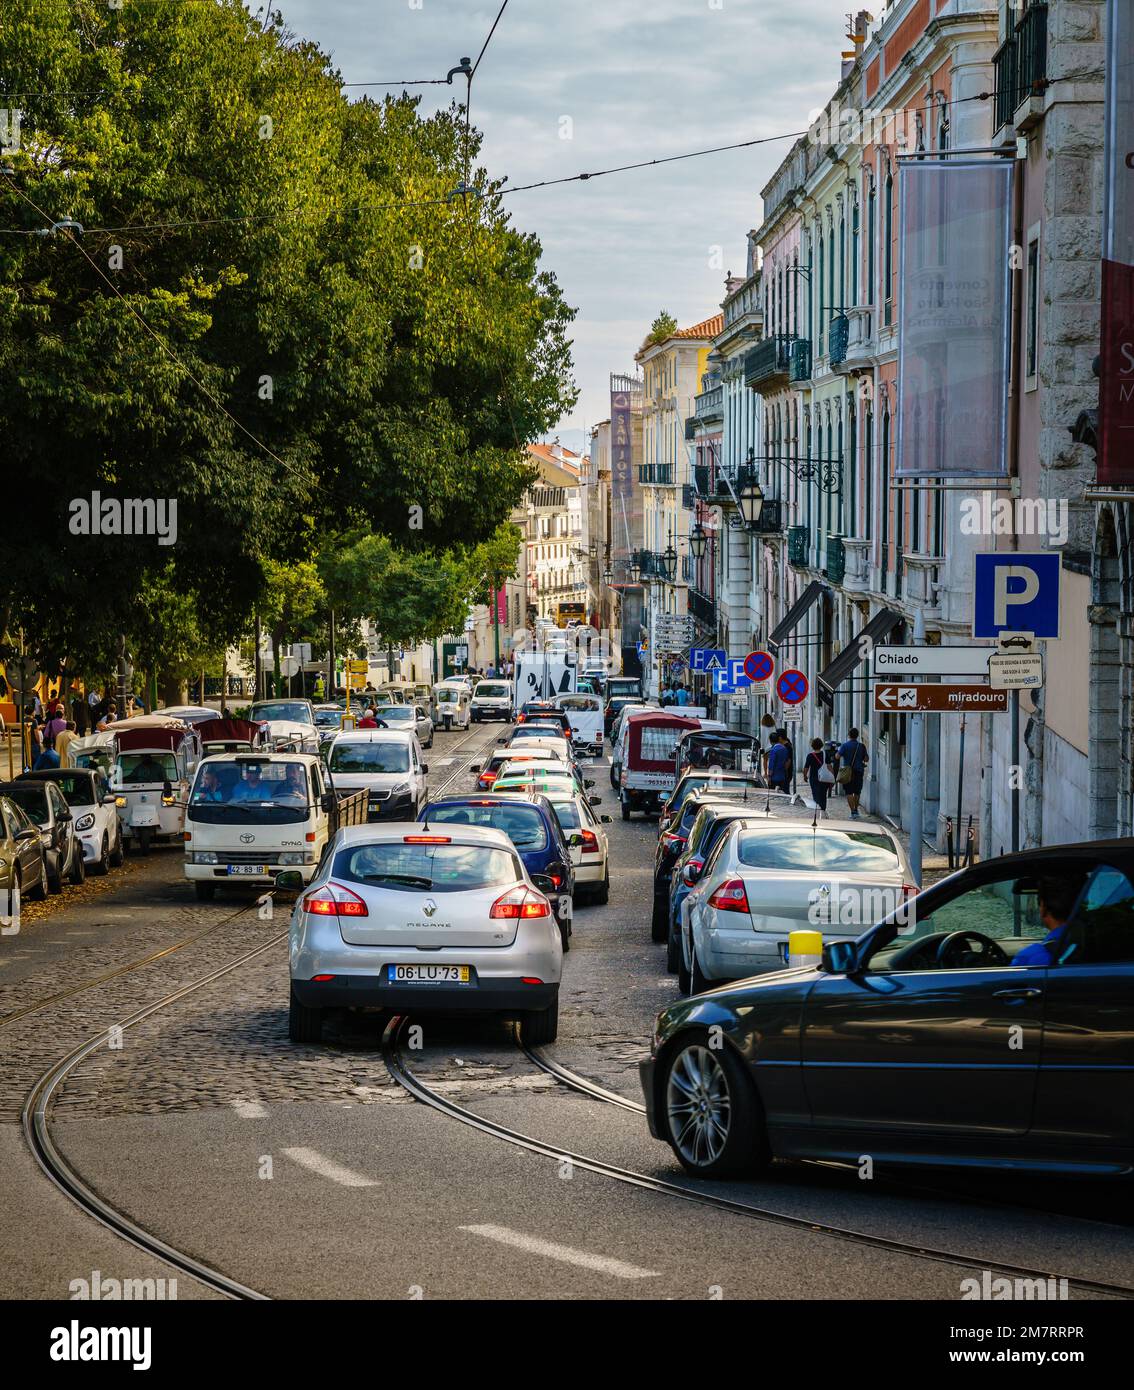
(429, 907)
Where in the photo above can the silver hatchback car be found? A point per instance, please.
(408, 918)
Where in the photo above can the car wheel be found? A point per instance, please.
(79, 867)
(145, 834)
(699, 982)
(602, 893)
(118, 853)
(672, 952)
(711, 1113)
(541, 1027)
(102, 863)
(54, 876)
(565, 935)
(206, 892)
(625, 801)
(659, 921)
(683, 978)
(42, 889)
(304, 1025)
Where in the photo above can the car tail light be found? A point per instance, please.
(670, 837)
(556, 879)
(426, 840)
(520, 902)
(487, 778)
(730, 897)
(590, 842)
(333, 900)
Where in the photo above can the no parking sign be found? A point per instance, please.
(792, 687)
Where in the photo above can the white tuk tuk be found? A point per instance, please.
(155, 760)
(452, 703)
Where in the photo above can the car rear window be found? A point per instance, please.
(416, 868)
(567, 814)
(522, 824)
(847, 851)
(76, 788)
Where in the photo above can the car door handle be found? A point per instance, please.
(1017, 993)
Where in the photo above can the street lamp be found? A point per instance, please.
(607, 574)
(669, 562)
(751, 499)
(635, 569)
(698, 542)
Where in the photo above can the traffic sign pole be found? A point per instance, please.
(917, 769)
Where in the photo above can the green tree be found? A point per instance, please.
(663, 327)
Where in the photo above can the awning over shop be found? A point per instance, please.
(794, 616)
(876, 630)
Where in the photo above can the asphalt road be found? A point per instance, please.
(308, 1172)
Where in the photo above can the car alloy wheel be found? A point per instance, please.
(698, 1106)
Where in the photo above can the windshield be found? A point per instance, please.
(624, 687)
(846, 850)
(328, 718)
(549, 731)
(522, 824)
(449, 697)
(439, 868)
(591, 703)
(369, 757)
(397, 714)
(32, 800)
(294, 710)
(249, 790)
(137, 768)
(76, 788)
(488, 688)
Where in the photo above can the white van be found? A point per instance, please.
(585, 713)
(251, 814)
(388, 763)
(492, 699)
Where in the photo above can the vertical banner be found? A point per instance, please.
(621, 469)
(1116, 358)
(953, 318)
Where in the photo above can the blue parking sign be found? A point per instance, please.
(732, 678)
(1016, 592)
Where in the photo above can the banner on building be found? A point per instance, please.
(1116, 357)
(953, 318)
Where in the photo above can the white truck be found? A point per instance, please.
(543, 676)
(249, 815)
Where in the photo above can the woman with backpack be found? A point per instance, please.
(819, 776)
(853, 758)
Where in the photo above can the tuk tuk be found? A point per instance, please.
(154, 763)
(727, 749)
(391, 693)
(649, 742)
(230, 736)
(95, 752)
(452, 704)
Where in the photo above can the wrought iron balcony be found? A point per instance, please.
(656, 474)
(836, 559)
(1005, 63)
(702, 474)
(800, 369)
(709, 405)
(840, 338)
(771, 517)
(703, 608)
(766, 365)
(798, 545)
(1020, 64)
(688, 496)
(691, 427)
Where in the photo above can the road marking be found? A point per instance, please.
(250, 1109)
(327, 1168)
(566, 1254)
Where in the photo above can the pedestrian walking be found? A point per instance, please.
(63, 741)
(681, 696)
(779, 762)
(54, 726)
(819, 777)
(46, 759)
(80, 711)
(853, 758)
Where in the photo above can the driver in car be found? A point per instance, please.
(251, 787)
(1056, 899)
(293, 788)
(146, 769)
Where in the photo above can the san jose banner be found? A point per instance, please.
(953, 317)
(1116, 357)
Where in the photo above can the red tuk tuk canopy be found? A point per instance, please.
(230, 731)
(134, 734)
(653, 739)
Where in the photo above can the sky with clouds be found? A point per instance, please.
(639, 79)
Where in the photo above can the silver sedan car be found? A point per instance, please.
(408, 717)
(403, 917)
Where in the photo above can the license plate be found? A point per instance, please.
(428, 974)
(252, 870)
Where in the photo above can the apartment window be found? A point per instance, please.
(868, 474)
(819, 324)
(781, 320)
(838, 454)
(842, 263)
(795, 298)
(884, 495)
(1031, 312)
(871, 203)
(832, 302)
(854, 255)
(888, 248)
(852, 466)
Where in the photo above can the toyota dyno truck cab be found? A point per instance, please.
(251, 814)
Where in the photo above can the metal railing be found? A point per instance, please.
(1031, 35)
(656, 474)
(703, 608)
(1005, 64)
(800, 369)
(840, 338)
(709, 403)
(836, 559)
(767, 360)
(798, 545)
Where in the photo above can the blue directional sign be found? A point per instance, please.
(1015, 592)
(732, 678)
(707, 659)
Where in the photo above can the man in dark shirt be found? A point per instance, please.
(853, 755)
(1056, 899)
(779, 759)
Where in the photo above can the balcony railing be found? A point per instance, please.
(701, 478)
(709, 405)
(656, 474)
(691, 427)
(1006, 65)
(836, 559)
(798, 544)
(771, 517)
(766, 365)
(800, 369)
(840, 338)
(703, 608)
(688, 496)
(1020, 63)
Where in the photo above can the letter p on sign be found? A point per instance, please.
(1016, 592)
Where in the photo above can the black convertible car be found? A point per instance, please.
(992, 1026)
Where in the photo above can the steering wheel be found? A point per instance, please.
(982, 950)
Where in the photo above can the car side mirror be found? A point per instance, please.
(594, 800)
(108, 801)
(166, 789)
(474, 767)
(575, 840)
(606, 820)
(588, 781)
(65, 816)
(425, 767)
(28, 834)
(689, 875)
(544, 882)
(328, 801)
(290, 881)
(839, 958)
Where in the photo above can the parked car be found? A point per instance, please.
(43, 803)
(543, 712)
(92, 803)
(529, 821)
(492, 699)
(388, 764)
(763, 882)
(408, 716)
(23, 864)
(615, 736)
(543, 767)
(737, 784)
(615, 704)
(446, 919)
(587, 841)
(940, 1043)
